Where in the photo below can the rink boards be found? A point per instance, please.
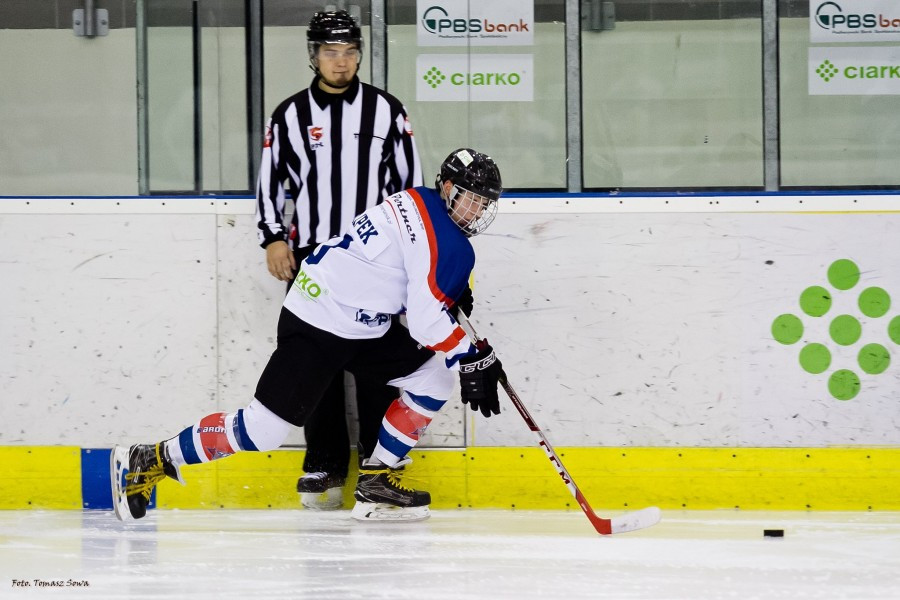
(698, 352)
(611, 478)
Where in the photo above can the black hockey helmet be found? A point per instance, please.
(476, 173)
(332, 27)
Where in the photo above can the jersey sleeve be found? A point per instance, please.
(424, 251)
(270, 197)
(409, 167)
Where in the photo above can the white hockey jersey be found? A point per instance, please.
(404, 255)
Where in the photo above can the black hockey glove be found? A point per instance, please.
(478, 377)
(464, 303)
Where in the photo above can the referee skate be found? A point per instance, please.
(321, 491)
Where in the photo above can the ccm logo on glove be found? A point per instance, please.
(479, 365)
(478, 377)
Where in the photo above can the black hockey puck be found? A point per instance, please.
(773, 533)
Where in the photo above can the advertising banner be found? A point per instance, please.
(464, 23)
(854, 21)
(854, 71)
(475, 78)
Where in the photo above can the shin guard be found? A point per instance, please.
(404, 423)
(218, 435)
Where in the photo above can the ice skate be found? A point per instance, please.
(381, 496)
(134, 473)
(321, 491)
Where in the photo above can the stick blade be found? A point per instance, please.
(633, 521)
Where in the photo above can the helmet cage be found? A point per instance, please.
(475, 177)
(460, 203)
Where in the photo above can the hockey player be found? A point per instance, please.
(342, 146)
(409, 254)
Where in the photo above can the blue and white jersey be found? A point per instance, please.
(404, 255)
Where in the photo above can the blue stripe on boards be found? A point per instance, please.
(96, 483)
(96, 489)
(512, 195)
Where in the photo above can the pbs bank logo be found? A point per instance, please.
(459, 23)
(831, 17)
(438, 21)
(869, 17)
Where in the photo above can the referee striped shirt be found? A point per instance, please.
(339, 154)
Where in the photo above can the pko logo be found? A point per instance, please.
(437, 20)
(831, 17)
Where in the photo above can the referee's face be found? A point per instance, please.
(338, 64)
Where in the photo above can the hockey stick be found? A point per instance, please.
(630, 521)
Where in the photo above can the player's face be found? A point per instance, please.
(468, 207)
(338, 64)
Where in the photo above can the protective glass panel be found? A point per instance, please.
(839, 95)
(197, 97)
(67, 101)
(671, 94)
(224, 87)
(170, 96)
(467, 71)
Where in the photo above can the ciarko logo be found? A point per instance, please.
(827, 70)
(844, 330)
(434, 77)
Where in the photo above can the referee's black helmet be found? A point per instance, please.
(332, 27)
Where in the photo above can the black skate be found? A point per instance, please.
(321, 491)
(134, 473)
(381, 496)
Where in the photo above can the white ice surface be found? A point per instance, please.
(454, 555)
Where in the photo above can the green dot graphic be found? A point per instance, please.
(843, 274)
(874, 359)
(843, 384)
(787, 329)
(815, 301)
(894, 330)
(845, 330)
(874, 302)
(815, 358)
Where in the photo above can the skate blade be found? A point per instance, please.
(118, 468)
(330, 499)
(371, 511)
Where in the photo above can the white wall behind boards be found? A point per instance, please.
(130, 327)
(655, 329)
(622, 328)
(108, 326)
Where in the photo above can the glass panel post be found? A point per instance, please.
(143, 140)
(573, 96)
(771, 159)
